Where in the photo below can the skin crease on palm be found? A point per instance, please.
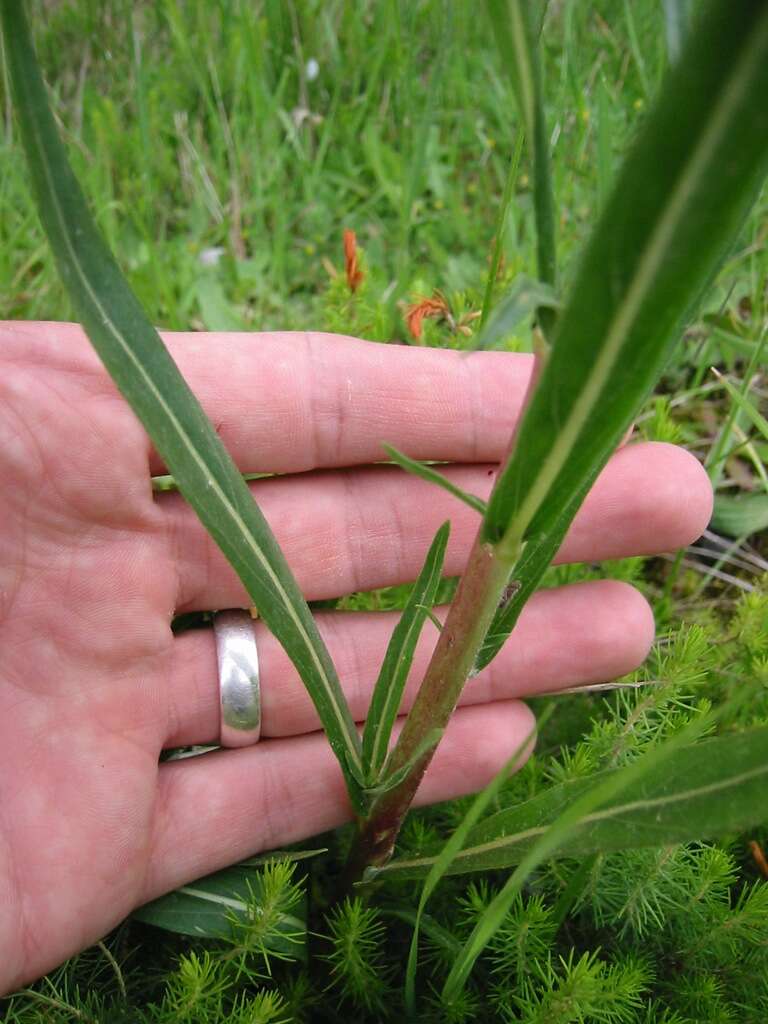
(94, 566)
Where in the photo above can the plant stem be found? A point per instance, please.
(478, 596)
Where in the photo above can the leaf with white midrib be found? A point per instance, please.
(665, 807)
(388, 691)
(144, 371)
(677, 201)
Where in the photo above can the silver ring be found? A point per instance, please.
(239, 689)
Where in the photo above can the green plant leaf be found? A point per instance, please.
(524, 297)
(516, 30)
(740, 776)
(713, 787)
(211, 907)
(677, 205)
(741, 398)
(145, 373)
(389, 780)
(388, 692)
(429, 473)
(740, 516)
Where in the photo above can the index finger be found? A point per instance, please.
(288, 402)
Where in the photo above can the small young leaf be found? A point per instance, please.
(537, 555)
(388, 691)
(429, 473)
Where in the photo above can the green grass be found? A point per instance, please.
(193, 126)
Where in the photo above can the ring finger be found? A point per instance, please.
(574, 635)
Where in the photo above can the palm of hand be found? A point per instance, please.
(88, 593)
(93, 685)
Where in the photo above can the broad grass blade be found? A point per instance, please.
(715, 792)
(740, 516)
(388, 691)
(713, 787)
(678, 203)
(145, 373)
(432, 476)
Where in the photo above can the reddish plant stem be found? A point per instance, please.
(477, 597)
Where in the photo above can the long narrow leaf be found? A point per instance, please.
(677, 205)
(431, 475)
(742, 777)
(213, 906)
(145, 373)
(450, 850)
(537, 556)
(711, 788)
(388, 691)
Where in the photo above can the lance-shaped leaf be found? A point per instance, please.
(145, 373)
(213, 907)
(677, 205)
(708, 789)
(388, 692)
(432, 476)
(530, 567)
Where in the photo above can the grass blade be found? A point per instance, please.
(501, 223)
(430, 474)
(741, 399)
(710, 788)
(678, 202)
(516, 31)
(449, 851)
(388, 691)
(145, 373)
(524, 297)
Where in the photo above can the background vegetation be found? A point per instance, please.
(227, 146)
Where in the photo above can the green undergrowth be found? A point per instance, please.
(224, 176)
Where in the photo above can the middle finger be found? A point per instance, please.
(359, 529)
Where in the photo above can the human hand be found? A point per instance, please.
(93, 567)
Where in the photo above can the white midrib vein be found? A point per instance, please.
(610, 812)
(231, 901)
(381, 736)
(647, 269)
(352, 744)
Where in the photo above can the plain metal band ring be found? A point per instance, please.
(239, 688)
